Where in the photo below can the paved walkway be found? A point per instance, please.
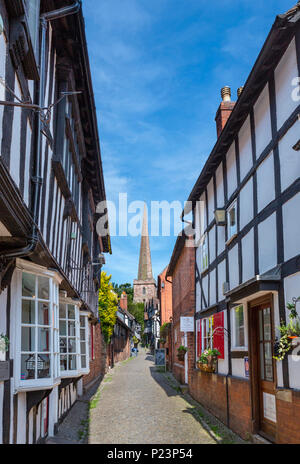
(138, 406)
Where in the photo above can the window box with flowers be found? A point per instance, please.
(208, 360)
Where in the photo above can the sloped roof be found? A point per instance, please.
(274, 47)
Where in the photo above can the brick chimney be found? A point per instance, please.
(225, 109)
(123, 301)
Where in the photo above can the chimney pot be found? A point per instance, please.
(239, 91)
(226, 94)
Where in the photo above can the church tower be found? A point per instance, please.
(144, 286)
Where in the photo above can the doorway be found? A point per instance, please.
(263, 370)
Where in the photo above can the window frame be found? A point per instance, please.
(70, 373)
(232, 234)
(234, 345)
(85, 315)
(16, 320)
(204, 248)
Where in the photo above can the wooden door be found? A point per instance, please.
(265, 366)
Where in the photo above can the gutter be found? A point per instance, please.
(37, 180)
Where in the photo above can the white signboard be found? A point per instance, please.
(270, 407)
(186, 324)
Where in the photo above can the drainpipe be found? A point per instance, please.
(37, 179)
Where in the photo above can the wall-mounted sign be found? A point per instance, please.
(269, 406)
(246, 362)
(187, 324)
(4, 371)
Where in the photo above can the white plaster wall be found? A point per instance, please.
(245, 147)
(262, 117)
(203, 221)
(3, 303)
(212, 288)
(198, 297)
(248, 256)
(220, 186)
(285, 72)
(233, 267)
(21, 428)
(221, 239)
(265, 182)
(246, 204)
(210, 201)
(30, 427)
(292, 290)
(294, 370)
(267, 244)
(291, 227)
(221, 279)
(53, 200)
(53, 411)
(289, 158)
(16, 140)
(238, 368)
(197, 223)
(205, 288)
(212, 245)
(2, 73)
(231, 170)
(27, 164)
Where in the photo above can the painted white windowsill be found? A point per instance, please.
(36, 386)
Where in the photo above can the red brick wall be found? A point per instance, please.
(288, 417)
(98, 365)
(183, 302)
(121, 349)
(165, 297)
(210, 391)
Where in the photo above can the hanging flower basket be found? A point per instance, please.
(210, 368)
(182, 350)
(208, 361)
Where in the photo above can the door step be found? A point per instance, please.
(259, 440)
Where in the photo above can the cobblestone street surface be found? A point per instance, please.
(138, 404)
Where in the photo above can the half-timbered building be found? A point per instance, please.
(51, 181)
(246, 205)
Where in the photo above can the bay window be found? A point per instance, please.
(50, 333)
(36, 327)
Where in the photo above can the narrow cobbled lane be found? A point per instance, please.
(138, 406)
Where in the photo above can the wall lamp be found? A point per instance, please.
(220, 217)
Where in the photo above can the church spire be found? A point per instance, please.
(145, 265)
(145, 285)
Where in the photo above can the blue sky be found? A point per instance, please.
(157, 70)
